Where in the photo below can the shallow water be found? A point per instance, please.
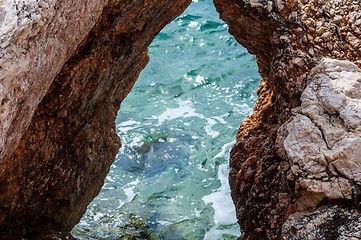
(177, 126)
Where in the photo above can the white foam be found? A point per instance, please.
(208, 128)
(127, 126)
(137, 141)
(225, 150)
(129, 192)
(193, 24)
(110, 179)
(224, 212)
(127, 123)
(200, 79)
(216, 234)
(186, 110)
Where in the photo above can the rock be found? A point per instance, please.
(34, 48)
(289, 39)
(154, 154)
(323, 138)
(65, 66)
(329, 222)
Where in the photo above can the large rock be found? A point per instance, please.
(322, 140)
(65, 66)
(322, 143)
(296, 154)
(36, 38)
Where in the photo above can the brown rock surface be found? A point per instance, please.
(65, 67)
(34, 45)
(289, 38)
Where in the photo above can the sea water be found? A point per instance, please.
(177, 126)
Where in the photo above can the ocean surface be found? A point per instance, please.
(177, 126)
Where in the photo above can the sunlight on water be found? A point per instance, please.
(177, 126)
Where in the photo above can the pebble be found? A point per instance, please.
(320, 30)
(298, 61)
(326, 35)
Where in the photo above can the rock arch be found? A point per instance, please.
(65, 67)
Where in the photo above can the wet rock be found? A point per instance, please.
(289, 39)
(65, 66)
(154, 154)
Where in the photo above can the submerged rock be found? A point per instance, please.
(154, 154)
(300, 150)
(65, 66)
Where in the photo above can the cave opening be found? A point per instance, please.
(177, 127)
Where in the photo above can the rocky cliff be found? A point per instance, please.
(296, 166)
(65, 66)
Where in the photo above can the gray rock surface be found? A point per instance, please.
(322, 141)
(36, 39)
(330, 222)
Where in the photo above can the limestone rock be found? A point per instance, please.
(34, 45)
(322, 141)
(289, 38)
(65, 66)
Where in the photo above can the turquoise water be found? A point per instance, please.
(177, 126)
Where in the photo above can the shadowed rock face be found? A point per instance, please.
(300, 148)
(323, 223)
(65, 68)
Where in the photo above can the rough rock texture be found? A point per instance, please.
(313, 159)
(325, 223)
(322, 140)
(34, 45)
(65, 66)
